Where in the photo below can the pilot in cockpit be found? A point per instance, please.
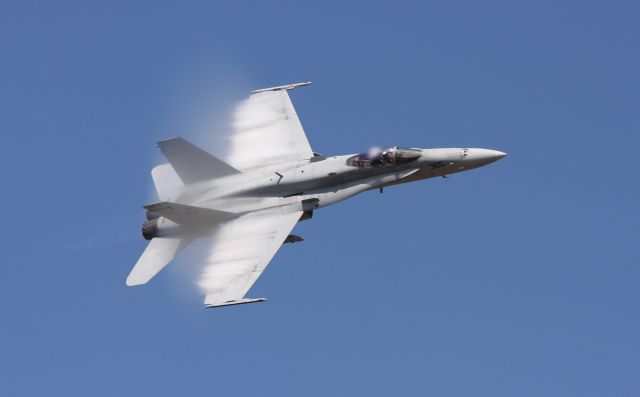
(388, 156)
(376, 157)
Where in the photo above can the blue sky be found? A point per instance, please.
(520, 278)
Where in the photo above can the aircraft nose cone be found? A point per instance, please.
(488, 154)
(480, 157)
(497, 155)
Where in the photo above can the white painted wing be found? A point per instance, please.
(240, 251)
(266, 131)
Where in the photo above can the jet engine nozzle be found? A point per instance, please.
(150, 229)
(160, 227)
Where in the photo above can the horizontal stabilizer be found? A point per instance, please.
(193, 164)
(155, 257)
(188, 214)
(234, 302)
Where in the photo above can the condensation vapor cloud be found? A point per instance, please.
(199, 107)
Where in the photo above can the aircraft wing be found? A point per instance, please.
(240, 251)
(266, 130)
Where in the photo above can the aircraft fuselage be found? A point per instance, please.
(325, 181)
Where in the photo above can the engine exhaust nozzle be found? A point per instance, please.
(150, 229)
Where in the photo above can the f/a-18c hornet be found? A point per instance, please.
(270, 180)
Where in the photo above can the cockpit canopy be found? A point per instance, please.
(377, 157)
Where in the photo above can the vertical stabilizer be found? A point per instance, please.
(168, 184)
(193, 164)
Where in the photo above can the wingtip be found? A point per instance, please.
(282, 87)
(233, 302)
(164, 142)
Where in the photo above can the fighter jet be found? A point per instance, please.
(247, 204)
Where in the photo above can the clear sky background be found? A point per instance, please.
(517, 279)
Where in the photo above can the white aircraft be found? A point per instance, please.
(271, 180)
